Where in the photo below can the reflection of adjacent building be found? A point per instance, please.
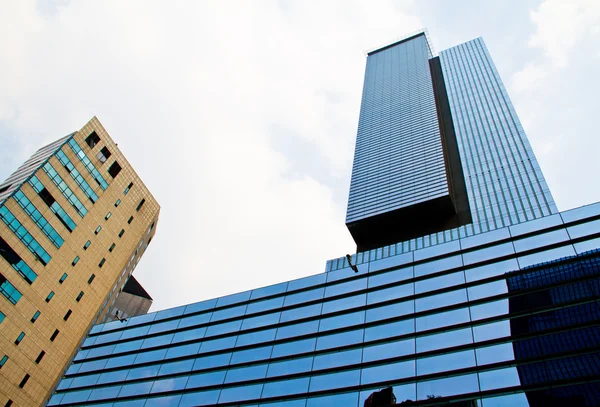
(133, 300)
(560, 327)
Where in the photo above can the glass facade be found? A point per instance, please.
(475, 321)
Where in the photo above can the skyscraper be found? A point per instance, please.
(464, 265)
(75, 220)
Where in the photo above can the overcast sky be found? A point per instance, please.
(241, 117)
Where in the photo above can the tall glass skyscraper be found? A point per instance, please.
(469, 287)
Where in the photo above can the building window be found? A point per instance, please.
(98, 229)
(88, 164)
(104, 154)
(108, 215)
(101, 263)
(122, 232)
(128, 188)
(35, 316)
(2, 316)
(49, 297)
(8, 403)
(92, 277)
(54, 335)
(114, 169)
(117, 203)
(75, 260)
(38, 219)
(16, 262)
(76, 175)
(24, 381)
(111, 248)
(3, 361)
(19, 338)
(22, 234)
(92, 139)
(130, 220)
(140, 205)
(79, 296)
(62, 278)
(66, 191)
(9, 291)
(67, 315)
(40, 357)
(54, 206)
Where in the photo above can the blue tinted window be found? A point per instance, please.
(441, 300)
(547, 255)
(88, 380)
(390, 277)
(389, 350)
(297, 329)
(512, 400)
(346, 399)
(389, 330)
(341, 339)
(208, 362)
(438, 265)
(168, 313)
(136, 389)
(346, 287)
(264, 305)
(491, 270)
(286, 387)
(448, 386)
(122, 347)
(157, 341)
(393, 310)
(183, 350)
(304, 296)
(487, 290)
(392, 293)
(175, 383)
(442, 363)
(337, 359)
(246, 373)
(95, 365)
(201, 398)
(120, 361)
(218, 344)
(132, 333)
(402, 393)
(191, 334)
(150, 356)
(163, 326)
(489, 309)
(341, 321)
(302, 312)
(335, 380)
(290, 367)
(194, 320)
(102, 393)
(447, 280)
(101, 351)
(488, 253)
(256, 337)
(493, 354)
(496, 379)
(165, 401)
(206, 379)
(443, 319)
(263, 320)
(143, 372)
(388, 372)
(491, 331)
(76, 396)
(234, 394)
(113, 377)
(243, 356)
(228, 313)
(223, 328)
(344, 303)
(293, 348)
(444, 340)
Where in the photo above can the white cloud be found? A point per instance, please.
(192, 92)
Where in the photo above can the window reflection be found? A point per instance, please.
(388, 372)
(448, 386)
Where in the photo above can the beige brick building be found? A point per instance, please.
(74, 221)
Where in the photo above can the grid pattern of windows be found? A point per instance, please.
(85, 187)
(9, 291)
(88, 164)
(398, 160)
(23, 234)
(16, 262)
(504, 182)
(38, 218)
(66, 191)
(54, 206)
(439, 322)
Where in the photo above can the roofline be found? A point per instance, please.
(412, 37)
